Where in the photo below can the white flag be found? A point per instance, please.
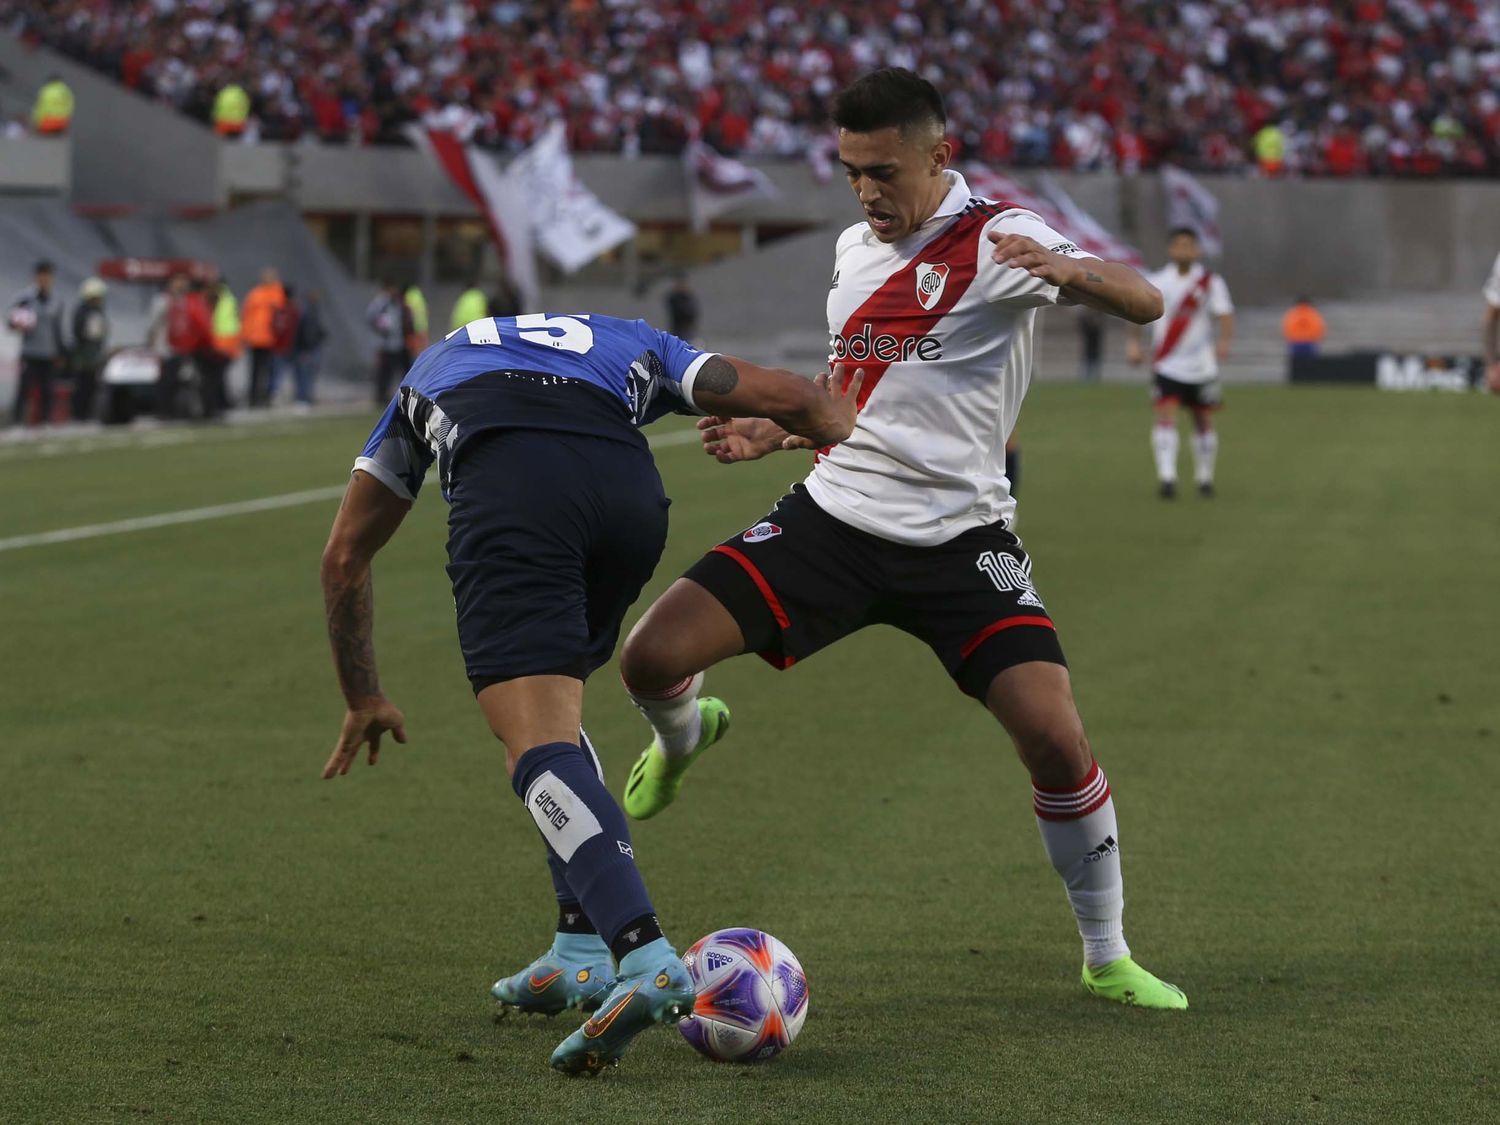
(1057, 209)
(716, 184)
(482, 182)
(571, 225)
(1191, 205)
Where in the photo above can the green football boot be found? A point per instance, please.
(662, 993)
(554, 983)
(1125, 982)
(654, 781)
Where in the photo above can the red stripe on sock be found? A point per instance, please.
(1075, 801)
(660, 696)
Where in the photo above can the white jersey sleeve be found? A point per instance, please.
(1492, 286)
(1219, 302)
(1007, 285)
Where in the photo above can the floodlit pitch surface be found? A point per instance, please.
(1293, 688)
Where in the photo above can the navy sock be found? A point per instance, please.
(585, 832)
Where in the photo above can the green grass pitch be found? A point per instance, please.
(1293, 688)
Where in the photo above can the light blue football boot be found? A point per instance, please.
(653, 987)
(575, 973)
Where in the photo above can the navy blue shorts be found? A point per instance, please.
(551, 537)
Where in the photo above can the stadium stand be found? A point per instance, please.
(1354, 87)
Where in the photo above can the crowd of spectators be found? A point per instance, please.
(1344, 86)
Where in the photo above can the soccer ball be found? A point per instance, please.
(752, 996)
(22, 319)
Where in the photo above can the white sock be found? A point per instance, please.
(673, 714)
(1082, 841)
(1164, 446)
(1205, 450)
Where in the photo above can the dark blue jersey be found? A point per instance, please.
(574, 374)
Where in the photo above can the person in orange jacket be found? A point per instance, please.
(1303, 328)
(260, 324)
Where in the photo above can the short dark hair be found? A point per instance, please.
(886, 98)
(1191, 232)
(44, 266)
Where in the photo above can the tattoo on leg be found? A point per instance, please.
(717, 376)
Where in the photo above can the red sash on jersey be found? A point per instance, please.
(1182, 317)
(893, 308)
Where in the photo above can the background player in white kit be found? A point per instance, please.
(907, 521)
(1187, 345)
(1491, 294)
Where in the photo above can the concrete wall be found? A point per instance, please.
(125, 149)
(35, 164)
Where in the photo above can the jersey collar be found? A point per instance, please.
(955, 201)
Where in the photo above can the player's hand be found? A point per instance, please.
(1017, 252)
(843, 388)
(364, 725)
(729, 440)
(1221, 353)
(1135, 355)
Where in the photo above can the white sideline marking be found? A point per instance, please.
(238, 508)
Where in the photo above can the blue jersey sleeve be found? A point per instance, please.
(396, 455)
(681, 363)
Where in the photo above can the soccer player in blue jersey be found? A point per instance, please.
(557, 519)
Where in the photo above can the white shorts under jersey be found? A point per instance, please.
(1183, 340)
(944, 337)
(1492, 286)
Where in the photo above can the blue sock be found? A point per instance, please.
(586, 832)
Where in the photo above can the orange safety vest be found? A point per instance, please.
(1303, 324)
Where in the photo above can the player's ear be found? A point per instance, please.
(942, 156)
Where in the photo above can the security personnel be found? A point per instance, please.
(471, 305)
(416, 304)
(231, 110)
(53, 112)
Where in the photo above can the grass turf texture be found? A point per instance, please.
(1291, 688)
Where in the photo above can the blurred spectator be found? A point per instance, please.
(227, 344)
(260, 327)
(471, 305)
(1091, 342)
(189, 335)
(53, 113)
(307, 354)
(416, 305)
(1303, 328)
(682, 308)
(231, 111)
(36, 315)
(1412, 84)
(283, 361)
(90, 346)
(504, 300)
(389, 317)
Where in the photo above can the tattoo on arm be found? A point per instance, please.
(1090, 275)
(717, 376)
(351, 631)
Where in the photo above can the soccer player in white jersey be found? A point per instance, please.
(1492, 329)
(1187, 345)
(908, 521)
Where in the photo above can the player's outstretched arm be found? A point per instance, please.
(819, 411)
(1111, 287)
(368, 516)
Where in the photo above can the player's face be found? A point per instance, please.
(898, 179)
(1183, 250)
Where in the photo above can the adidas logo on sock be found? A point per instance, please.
(1109, 847)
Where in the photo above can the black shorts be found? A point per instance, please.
(551, 537)
(1205, 396)
(800, 579)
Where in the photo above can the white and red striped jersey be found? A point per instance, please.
(944, 337)
(1182, 341)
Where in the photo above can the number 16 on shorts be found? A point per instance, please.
(1010, 575)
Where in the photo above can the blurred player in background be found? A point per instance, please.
(542, 577)
(1187, 345)
(908, 522)
(1492, 329)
